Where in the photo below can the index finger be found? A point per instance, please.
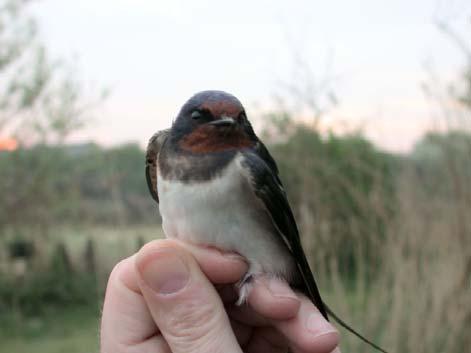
(219, 266)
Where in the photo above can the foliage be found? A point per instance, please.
(55, 286)
(442, 160)
(345, 183)
(36, 187)
(39, 98)
(40, 106)
(66, 330)
(74, 184)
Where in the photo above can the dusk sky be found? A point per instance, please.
(153, 55)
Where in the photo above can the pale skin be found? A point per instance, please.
(171, 297)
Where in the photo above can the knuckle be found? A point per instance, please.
(195, 322)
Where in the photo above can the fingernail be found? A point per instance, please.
(318, 326)
(280, 289)
(167, 273)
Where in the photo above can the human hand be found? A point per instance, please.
(164, 300)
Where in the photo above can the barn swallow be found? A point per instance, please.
(216, 184)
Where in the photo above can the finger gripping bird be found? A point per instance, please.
(216, 184)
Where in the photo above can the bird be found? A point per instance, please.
(216, 184)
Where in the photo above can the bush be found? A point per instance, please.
(58, 285)
(342, 192)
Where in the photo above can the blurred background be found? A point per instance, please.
(366, 106)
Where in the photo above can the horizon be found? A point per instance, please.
(154, 56)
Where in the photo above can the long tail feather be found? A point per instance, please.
(349, 328)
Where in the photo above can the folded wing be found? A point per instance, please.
(152, 156)
(268, 188)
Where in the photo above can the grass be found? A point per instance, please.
(418, 300)
(71, 331)
(111, 244)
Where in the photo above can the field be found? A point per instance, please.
(73, 331)
(418, 300)
(388, 238)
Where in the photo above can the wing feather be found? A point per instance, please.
(152, 155)
(269, 189)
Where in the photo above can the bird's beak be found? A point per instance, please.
(224, 121)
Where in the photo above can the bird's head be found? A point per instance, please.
(213, 121)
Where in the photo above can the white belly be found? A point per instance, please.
(224, 213)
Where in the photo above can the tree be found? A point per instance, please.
(39, 100)
(40, 105)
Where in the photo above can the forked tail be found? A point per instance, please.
(349, 328)
(310, 289)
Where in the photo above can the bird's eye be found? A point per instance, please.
(196, 115)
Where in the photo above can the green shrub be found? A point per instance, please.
(58, 285)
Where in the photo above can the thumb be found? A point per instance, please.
(183, 303)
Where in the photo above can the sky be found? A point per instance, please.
(153, 55)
